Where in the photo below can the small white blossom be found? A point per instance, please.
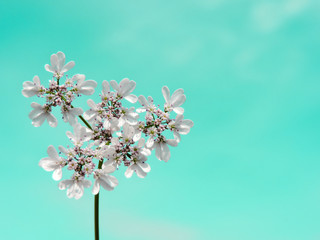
(139, 166)
(124, 89)
(114, 159)
(32, 88)
(70, 114)
(57, 65)
(174, 102)
(75, 186)
(111, 125)
(106, 94)
(162, 148)
(92, 113)
(41, 113)
(81, 135)
(152, 132)
(53, 163)
(146, 105)
(129, 116)
(180, 126)
(83, 87)
(102, 178)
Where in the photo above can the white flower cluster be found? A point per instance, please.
(56, 94)
(112, 135)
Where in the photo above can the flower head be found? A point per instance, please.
(57, 65)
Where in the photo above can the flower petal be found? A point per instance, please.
(166, 94)
(57, 174)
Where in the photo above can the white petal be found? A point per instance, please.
(53, 122)
(76, 111)
(131, 98)
(150, 142)
(87, 87)
(57, 174)
(114, 85)
(48, 68)
(52, 153)
(29, 92)
(176, 94)
(68, 66)
(39, 120)
(54, 62)
(143, 101)
(129, 88)
(158, 150)
(177, 102)
(187, 123)
(140, 110)
(105, 184)
(184, 130)
(166, 94)
(165, 152)
(35, 112)
(113, 180)
(176, 136)
(48, 164)
(105, 87)
(172, 142)
(178, 110)
(79, 78)
(145, 167)
(64, 184)
(140, 173)
(129, 172)
(61, 59)
(109, 168)
(63, 150)
(36, 80)
(36, 105)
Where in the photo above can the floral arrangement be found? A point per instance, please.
(112, 135)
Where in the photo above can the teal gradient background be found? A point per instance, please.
(249, 169)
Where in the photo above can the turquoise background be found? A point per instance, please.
(250, 167)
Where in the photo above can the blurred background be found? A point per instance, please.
(248, 170)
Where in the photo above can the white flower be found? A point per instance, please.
(124, 89)
(111, 125)
(128, 133)
(139, 166)
(146, 105)
(106, 94)
(162, 148)
(70, 114)
(57, 65)
(70, 153)
(175, 101)
(40, 113)
(32, 88)
(102, 178)
(75, 186)
(92, 113)
(81, 135)
(180, 126)
(139, 148)
(129, 116)
(152, 132)
(82, 86)
(53, 163)
(114, 159)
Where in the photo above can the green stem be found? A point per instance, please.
(96, 212)
(96, 197)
